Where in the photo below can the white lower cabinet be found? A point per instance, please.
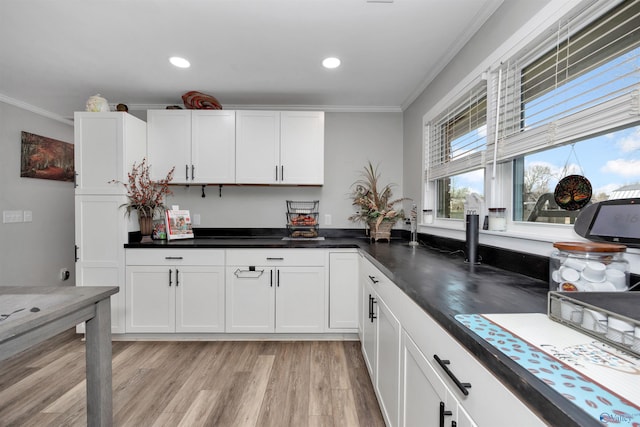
(426, 399)
(380, 335)
(343, 290)
(269, 299)
(264, 294)
(100, 235)
(401, 345)
(175, 296)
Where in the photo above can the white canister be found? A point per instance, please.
(601, 265)
(497, 219)
(97, 104)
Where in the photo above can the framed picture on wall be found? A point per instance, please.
(46, 158)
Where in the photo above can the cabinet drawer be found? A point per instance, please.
(277, 257)
(175, 257)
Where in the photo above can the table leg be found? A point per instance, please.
(98, 349)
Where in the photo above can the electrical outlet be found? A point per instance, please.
(28, 216)
(327, 219)
(195, 219)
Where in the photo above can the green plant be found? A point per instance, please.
(373, 201)
(145, 195)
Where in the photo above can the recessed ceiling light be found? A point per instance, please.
(179, 62)
(331, 63)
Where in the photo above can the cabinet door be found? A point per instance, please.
(100, 235)
(302, 147)
(257, 147)
(369, 327)
(300, 299)
(106, 145)
(199, 299)
(169, 144)
(422, 389)
(150, 295)
(250, 299)
(213, 146)
(343, 290)
(388, 360)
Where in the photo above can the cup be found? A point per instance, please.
(570, 312)
(619, 330)
(576, 264)
(617, 277)
(594, 271)
(595, 321)
(599, 287)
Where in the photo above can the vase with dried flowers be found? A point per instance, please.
(145, 195)
(375, 204)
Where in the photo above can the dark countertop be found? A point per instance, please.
(444, 285)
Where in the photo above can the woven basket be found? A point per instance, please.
(383, 231)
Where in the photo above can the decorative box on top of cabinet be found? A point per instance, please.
(280, 147)
(200, 144)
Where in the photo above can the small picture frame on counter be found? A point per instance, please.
(178, 224)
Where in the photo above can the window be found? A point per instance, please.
(610, 161)
(453, 191)
(570, 105)
(456, 141)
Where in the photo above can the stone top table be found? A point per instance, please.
(30, 315)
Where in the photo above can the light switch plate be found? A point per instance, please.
(28, 216)
(11, 216)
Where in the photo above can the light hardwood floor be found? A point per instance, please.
(230, 383)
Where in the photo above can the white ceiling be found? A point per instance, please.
(54, 54)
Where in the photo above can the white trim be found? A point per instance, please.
(44, 113)
(325, 108)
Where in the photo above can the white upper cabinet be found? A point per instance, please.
(302, 147)
(280, 147)
(213, 146)
(169, 143)
(106, 146)
(258, 147)
(199, 143)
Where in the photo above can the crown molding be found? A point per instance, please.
(325, 108)
(37, 110)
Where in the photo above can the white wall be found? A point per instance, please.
(351, 139)
(33, 253)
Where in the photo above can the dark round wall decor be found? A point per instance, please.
(573, 192)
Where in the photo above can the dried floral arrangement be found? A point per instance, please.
(375, 205)
(145, 195)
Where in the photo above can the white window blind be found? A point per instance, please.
(456, 139)
(577, 81)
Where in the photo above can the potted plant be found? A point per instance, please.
(375, 204)
(146, 196)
